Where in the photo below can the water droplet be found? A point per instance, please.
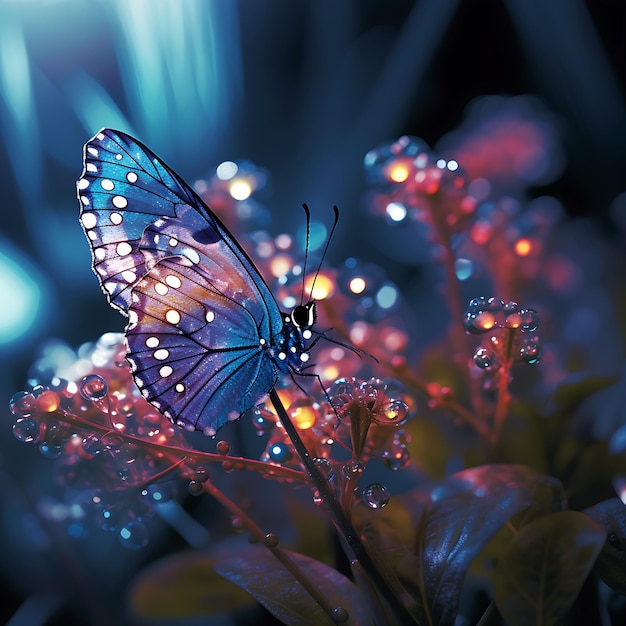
(485, 359)
(376, 496)
(530, 320)
(270, 540)
(223, 447)
(195, 487)
(262, 420)
(237, 524)
(395, 412)
(202, 474)
(397, 458)
(93, 387)
(325, 467)
(530, 352)
(22, 403)
(109, 519)
(352, 468)
(26, 430)
(92, 444)
(279, 452)
(340, 615)
(134, 536)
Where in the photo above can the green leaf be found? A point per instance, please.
(183, 586)
(611, 564)
(461, 515)
(259, 572)
(542, 571)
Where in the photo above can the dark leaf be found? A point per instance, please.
(611, 564)
(460, 517)
(184, 586)
(259, 572)
(544, 567)
(569, 395)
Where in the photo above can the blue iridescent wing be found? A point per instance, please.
(200, 315)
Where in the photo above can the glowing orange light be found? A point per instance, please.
(322, 289)
(303, 417)
(357, 285)
(48, 401)
(523, 247)
(280, 265)
(398, 172)
(485, 320)
(331, 372)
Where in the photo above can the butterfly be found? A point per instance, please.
(206, 339)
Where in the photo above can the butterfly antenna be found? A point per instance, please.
(306, 246)
(330, 236)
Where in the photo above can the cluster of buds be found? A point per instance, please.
(356, 422)
(411, 183)
(509, 333)
(109, 445)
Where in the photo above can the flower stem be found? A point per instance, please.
(340, 519)
(504, 397)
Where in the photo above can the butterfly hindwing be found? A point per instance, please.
(201, 318)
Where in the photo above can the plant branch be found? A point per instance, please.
(339, 516)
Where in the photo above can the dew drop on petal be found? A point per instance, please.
(271, 540)
(376, 496)
(93, 387)
(26, 430)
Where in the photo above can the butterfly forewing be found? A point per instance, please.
(201, 318)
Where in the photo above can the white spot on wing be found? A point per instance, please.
(91, 168)
(123, 248)
(92, 151)
(100, 136)
(120, 202)
(210, 316)
(173, 281)
(133, 319)
(152, 342)
(161, 354)
(192, 255)
(180, 387)
(107, 184)
(165, 371)
(172, 316)
(131, 177)
(161, 289)
(129, 276)
(89, 219)
(118, 157)
(173, 242)
(83, 183)
(84, 200)
(116, 218)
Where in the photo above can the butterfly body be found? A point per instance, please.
(206, 338)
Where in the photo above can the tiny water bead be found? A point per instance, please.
(22, 403)
(195, 487)
(340, 615)
(158, 492)
(26, 430)
(262, 420)
(271, 540)
(223, 448)
(324, 466)
(92, 444)
(376, 496)
(485, 358)
(93, 387)
(202, 474)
